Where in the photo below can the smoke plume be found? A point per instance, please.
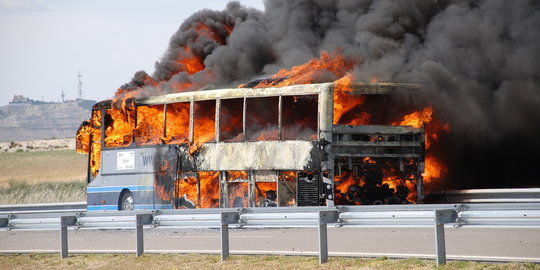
(479, 63)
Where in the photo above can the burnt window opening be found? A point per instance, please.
(266, 194)
(347, 109)
(262, 119)
(186, 191)
(209, 189)
(237, 189)
(197, 190)
(238, 194)
(149, 125)
(233, 176)
(177, 123)
(287, 188)
(119, 125)
(356, 109)
(266, 189)
(231, 128)
(299, 117)
(204, 121)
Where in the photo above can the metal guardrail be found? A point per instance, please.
(505, 195)
(42, 207)
(420, 215)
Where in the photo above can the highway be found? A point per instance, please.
(465, 243)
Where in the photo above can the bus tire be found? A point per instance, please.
(126, 201)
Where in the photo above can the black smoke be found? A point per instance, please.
(479, 63)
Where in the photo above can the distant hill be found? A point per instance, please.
(29, 121)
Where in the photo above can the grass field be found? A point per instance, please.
(42, 177)
(252, 262)
(40, 166)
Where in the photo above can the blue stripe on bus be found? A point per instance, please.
(118, 189)
(155, 206)
(137, 207)
(102, 207)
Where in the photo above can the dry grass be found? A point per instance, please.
(173, 261)
(42, 166)
(42, 177)
(47, 192)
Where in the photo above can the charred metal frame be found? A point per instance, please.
(334, 142)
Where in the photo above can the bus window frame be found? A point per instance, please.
(217, 130)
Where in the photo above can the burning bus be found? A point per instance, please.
(298, 145)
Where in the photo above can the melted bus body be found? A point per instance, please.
(249, 147)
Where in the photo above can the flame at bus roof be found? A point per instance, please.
(360, 88)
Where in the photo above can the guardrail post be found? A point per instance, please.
(323, 243)
(140, 220)
(325, 217)
(65, 221)
(224, 240)
(226, 219)
(442, 217)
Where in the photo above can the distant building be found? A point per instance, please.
(20, 99)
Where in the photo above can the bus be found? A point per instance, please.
(300, 145)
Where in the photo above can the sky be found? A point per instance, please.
(44, 44)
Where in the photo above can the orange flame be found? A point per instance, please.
(189, 62)
(329, 65)
(205, 129)
(149, 129)
(202, 190)
(120, 131)
(82, 139)
(234, 175)
(238, 192)
(187, 186)
(416, 119)
(434, 168)
(344, 102)
(209, 182)
(88, 139)
(177, 128)
(262, 191)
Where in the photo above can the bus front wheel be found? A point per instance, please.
(126, 203)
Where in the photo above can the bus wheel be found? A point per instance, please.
(126, 204)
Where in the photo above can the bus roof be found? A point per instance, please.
(293, 90)
(362, 88)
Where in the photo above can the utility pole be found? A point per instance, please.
(80, 85)
(63, 95)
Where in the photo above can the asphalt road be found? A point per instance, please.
(488, 244)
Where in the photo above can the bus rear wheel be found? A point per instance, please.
(126, 203)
